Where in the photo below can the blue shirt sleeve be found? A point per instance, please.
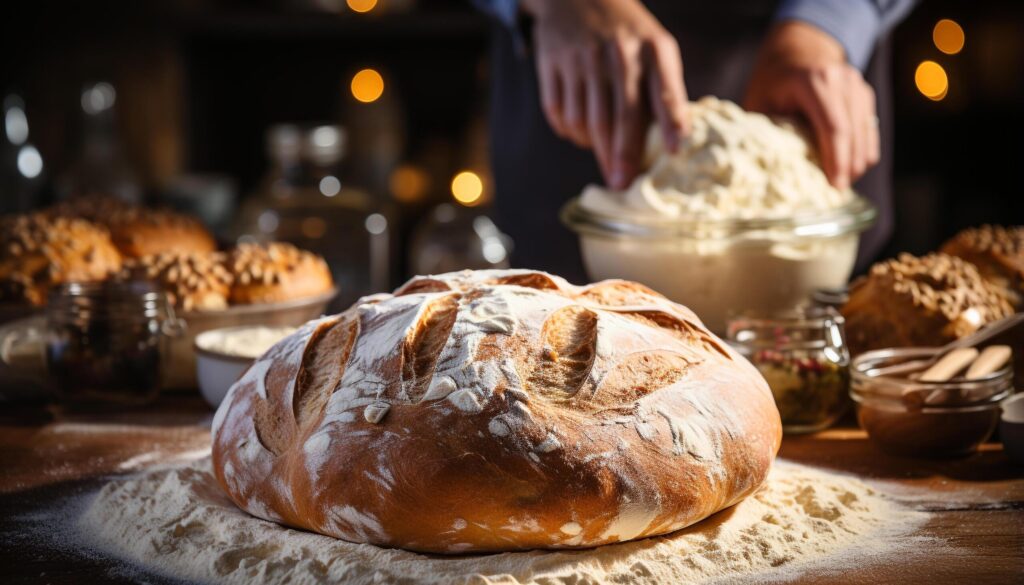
(856, 24)
(506, 11)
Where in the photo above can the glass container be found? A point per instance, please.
(100, 166)
(722, 268)
(451, 239)
(933, 419)
(306, 199)
(103, 342)
(803, 357)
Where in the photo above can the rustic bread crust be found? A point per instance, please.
(497, 410)
(192, 281)
(275, 272)
(998, 252)
(925, 302)
(140, 231)
(38, 252)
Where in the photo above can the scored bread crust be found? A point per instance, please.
(497, 410)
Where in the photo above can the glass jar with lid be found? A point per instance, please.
(103, 342)
(803, 357)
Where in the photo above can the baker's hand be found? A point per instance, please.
(803, 70)
(604, 66)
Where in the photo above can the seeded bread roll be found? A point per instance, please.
(140, 231)
(927, 301)
(193, 281)
(275, 272)
(497, 410)
(998, 252)
(39, 252)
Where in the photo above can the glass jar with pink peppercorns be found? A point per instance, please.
(803, 357)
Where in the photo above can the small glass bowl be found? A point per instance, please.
(932, 419)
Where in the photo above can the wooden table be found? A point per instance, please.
(976, 504)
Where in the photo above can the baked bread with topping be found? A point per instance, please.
(998, 252)
(497, 410)
(275, 272)
(193, 281)
(38, 252)
(140, 231)
(920, 301)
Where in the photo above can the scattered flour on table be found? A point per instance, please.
(179, 523)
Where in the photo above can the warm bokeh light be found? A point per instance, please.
(931, 80)
(948, 36)
(362, 5)
(467, 188)
(367, 86)
(409, 183)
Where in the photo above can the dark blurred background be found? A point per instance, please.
(178, 99)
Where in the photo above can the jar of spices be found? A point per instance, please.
(803, 357)
(103, 342)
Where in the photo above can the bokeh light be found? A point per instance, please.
(409, 183)
(330, 186)
(948, 36)
(30, 162)
(367, 86)
(931, 80)
(467, 188)
(16, 125)
(376, 224)
(362, 5)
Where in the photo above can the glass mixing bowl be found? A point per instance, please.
(720, 268)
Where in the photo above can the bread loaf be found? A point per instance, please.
(998, 253)
(192, 281)
(38, 252)
(925, 302)
(497, 410)
(140, 231)
(274, 272)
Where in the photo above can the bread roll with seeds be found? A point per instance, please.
(38, 252)
(275, 272)
(497, 410)
(193, 281)
(140, 231)
(998, 253)
(927, 302)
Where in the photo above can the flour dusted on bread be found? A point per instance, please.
(497, 410)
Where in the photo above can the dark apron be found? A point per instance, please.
(536, 172)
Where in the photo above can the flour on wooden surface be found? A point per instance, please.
(178, 522)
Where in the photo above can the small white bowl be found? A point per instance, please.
(216, 371)
(1011, 428)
